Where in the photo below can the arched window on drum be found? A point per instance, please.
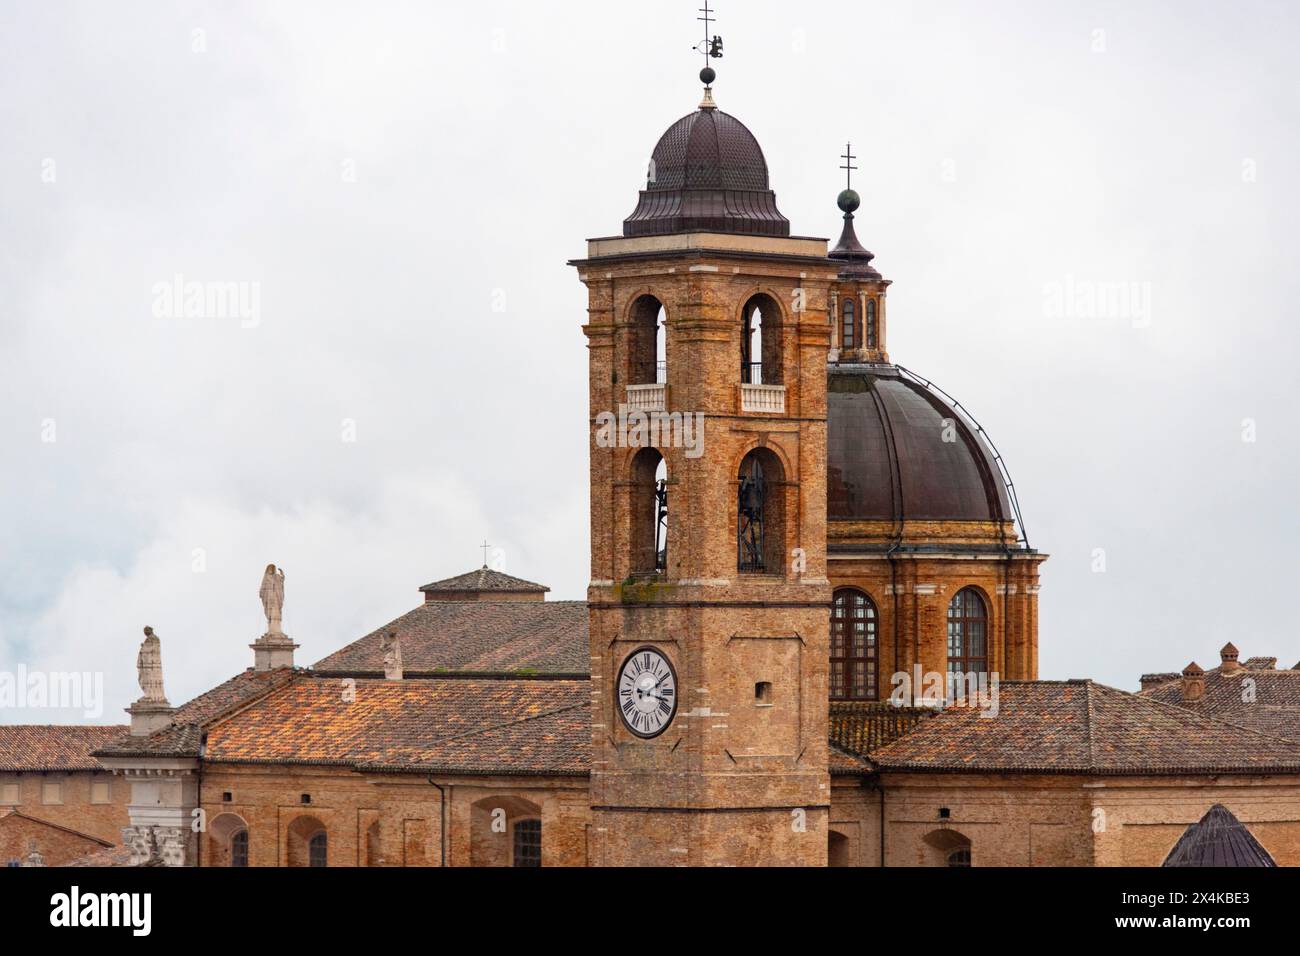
(854, 663)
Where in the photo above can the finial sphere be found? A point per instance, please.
(708, 75)
(849, 200)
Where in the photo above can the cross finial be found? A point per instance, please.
(711, 46)
(485, 547)
(706, 20)
(848, 166)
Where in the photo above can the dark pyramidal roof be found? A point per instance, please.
(1218, 839)
(485, 579)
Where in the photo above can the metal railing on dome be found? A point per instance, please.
(1023, 535)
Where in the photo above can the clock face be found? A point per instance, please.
(647, 692)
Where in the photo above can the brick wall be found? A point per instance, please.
(389, 819)
(1055, 820)
(56, 845)
(75, 809)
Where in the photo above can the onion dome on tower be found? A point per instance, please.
(856, 259)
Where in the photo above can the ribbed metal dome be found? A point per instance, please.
(887, 459)
(707, 174)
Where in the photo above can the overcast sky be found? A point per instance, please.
(400, 186)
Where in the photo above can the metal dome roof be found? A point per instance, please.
(707, 174)
(887, 459)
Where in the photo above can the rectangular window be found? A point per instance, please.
(9, 794)
(52, 792)
(100, 792)
(528, 843)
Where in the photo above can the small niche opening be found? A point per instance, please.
(226, 796)
(763, 693)
(306, 798)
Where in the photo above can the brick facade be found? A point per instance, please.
(722, 783)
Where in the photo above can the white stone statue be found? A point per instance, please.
(272, 595)
(148, 665)
(391, 648)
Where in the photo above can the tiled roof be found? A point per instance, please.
(245, 686)
(859, 727)
(185, 735)
(1083, 727)
(53, 747)
(485, 579)
(1269, 703)
(107, 856)
(1261, 663)
(1158, 678)
(1218, 839)
(492, 637)
(519, 726)
(843, 763)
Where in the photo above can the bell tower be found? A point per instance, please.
(709, 601)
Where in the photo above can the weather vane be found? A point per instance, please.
(711, 45)
(848, 166)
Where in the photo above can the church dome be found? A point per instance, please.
(888, 460)
(707, 174)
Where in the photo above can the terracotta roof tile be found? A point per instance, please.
(185, 735)
(462, 725)
(53, 747)
(245, 686)
(496, 637)
(1269, 703)
(1083, 727)
(859, 727)
(107, 856)
(843, 763)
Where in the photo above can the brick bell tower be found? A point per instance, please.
(709, 600)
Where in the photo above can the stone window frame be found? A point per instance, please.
(58, 801)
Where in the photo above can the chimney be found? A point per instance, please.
(1193, 683)
(391, 648)
(1228, 663)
